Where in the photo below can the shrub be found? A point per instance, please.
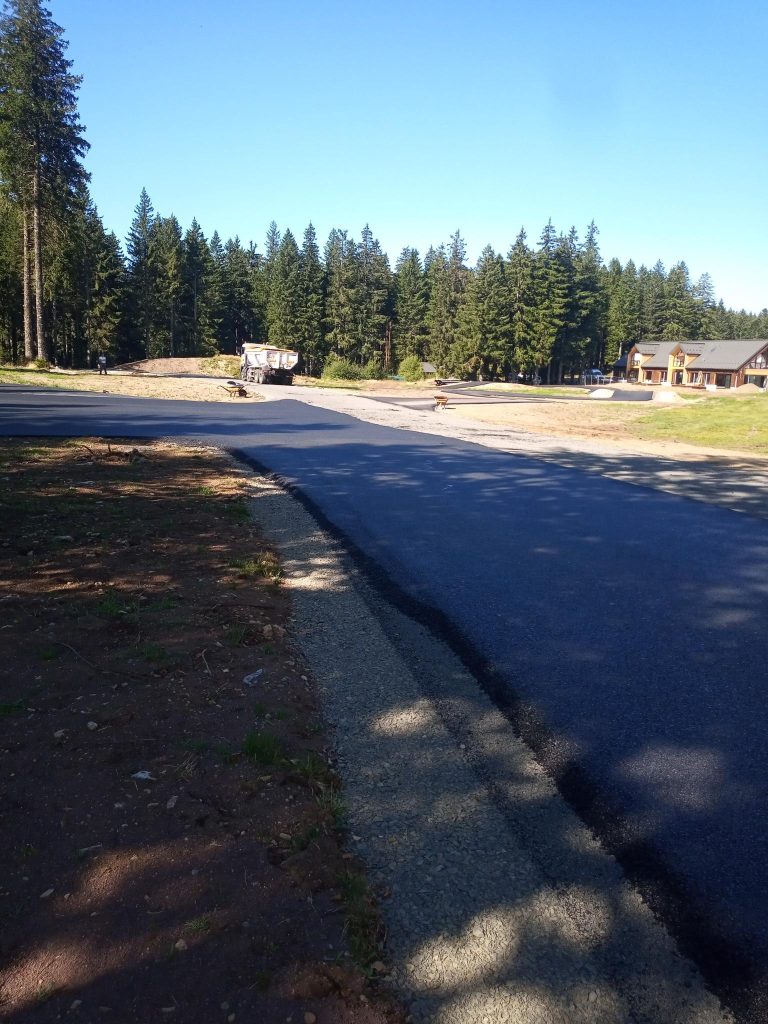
(41, 364)
(341, 369)
(410, 369)
(373, 370)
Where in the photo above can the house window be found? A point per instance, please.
(677, 377)
(695, 377)
(723, 380)
(649, 376)
(663, 377)
(680, 360)
(759, 362)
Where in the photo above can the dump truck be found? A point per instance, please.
(266, 364)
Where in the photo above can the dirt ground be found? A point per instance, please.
(171, 820)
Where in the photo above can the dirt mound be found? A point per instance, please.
(190, 364)
(749, 389)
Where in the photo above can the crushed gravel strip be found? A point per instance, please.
(502, 907)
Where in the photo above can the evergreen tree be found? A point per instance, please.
(198, 332)
(484, 344)
(623, 317)
(372, 298)
(41, 141)
(310, 340)
(410, 306)
(680, 313)
(141, 277)
(342, 298)
(283, 308)
(166, 258)
(439, 318)
(551, 287)
(522, 298)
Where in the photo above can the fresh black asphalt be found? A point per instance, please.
(624, 628)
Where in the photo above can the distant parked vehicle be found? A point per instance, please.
(596, 377)
(265, 364)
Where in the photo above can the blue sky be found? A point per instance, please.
(424, 117)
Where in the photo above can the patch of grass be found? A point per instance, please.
(313, 768)
(331, 801)
(361, 920)
(199, 925)
(15, 707)
(263, 747)
(221, 366)
(724, 422)
(265, 565)
(205, 492)
(262, 980)
(49, 653)
(259, 709)
(115, 607)
(237, 510)
(305, 838)
(235, 635)
(153, 653)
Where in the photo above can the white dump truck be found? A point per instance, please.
(265, 364)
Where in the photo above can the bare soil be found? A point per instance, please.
(171, 835)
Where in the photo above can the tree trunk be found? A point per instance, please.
(43, 347)
(30, 341)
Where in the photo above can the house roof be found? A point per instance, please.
(660, 359)
(621, 362)
(647, 348)
(728, 355)
(692, 348)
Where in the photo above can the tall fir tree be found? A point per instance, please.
(284, 302)
(310, 338)
(484, 343)
(410, 306)
(41, 142)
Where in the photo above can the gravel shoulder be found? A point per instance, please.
(499, 904)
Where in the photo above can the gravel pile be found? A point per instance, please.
(500, 905)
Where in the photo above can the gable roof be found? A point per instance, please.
(691, 348)
(660, 359)
(728, 355)
(646, 348)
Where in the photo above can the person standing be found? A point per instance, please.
(102, 361)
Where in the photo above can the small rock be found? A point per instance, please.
(593, 997)
(231, 1017)
(309, 1017)
(46, 894)
(60, 734)
(143, 776)
(225, 1006)
(267, 631)
(93, 725)
(180, 945)
(253, 677)
(379, 967)
(172, 801)
(76, 1004)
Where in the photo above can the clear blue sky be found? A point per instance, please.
(423, 117)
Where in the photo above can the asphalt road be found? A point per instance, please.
(624, 628)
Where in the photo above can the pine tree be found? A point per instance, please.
(284, 294)
(342, 298)
(484, 343)
(41, 141)
(551, 287)
(197, 271)
(410, 306)
(166, 258)
(310, 339)
(522, 297)
(679, 305)
(373, 280)
(141, 277)
(439, 318)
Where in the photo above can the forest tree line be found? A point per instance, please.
(69, 290)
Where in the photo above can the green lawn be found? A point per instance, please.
(720, 423)
(40, 377)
